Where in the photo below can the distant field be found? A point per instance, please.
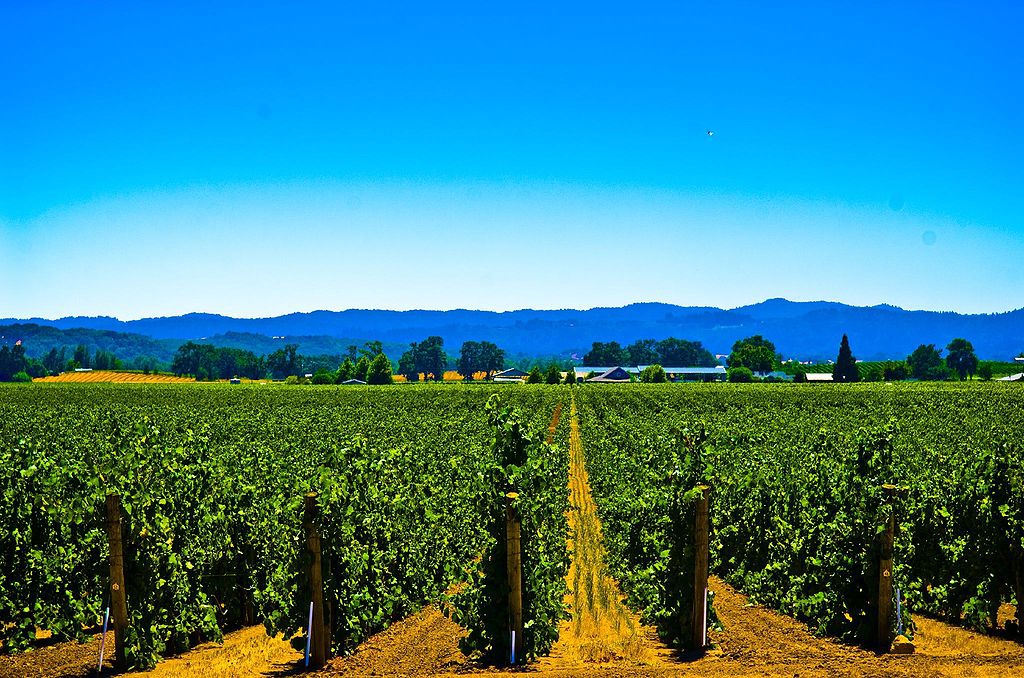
(113, 377)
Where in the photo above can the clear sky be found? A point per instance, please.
(262, 158)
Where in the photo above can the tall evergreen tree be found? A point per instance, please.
(845, 368)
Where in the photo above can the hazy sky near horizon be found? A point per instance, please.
(261, 158)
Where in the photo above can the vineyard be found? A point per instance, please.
(411, 494)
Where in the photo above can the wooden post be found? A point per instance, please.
(698, 628)
(118, 598)
(883, 634)
(515, 576)
(320, 642)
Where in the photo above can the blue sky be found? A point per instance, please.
(258, 159)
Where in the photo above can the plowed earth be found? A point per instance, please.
(602, 639)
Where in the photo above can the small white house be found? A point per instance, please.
(819, 377)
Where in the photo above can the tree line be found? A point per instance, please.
(755, 354)
(669, 351)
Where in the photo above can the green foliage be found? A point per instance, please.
(12, 361)
(653, 374)
(212, 482)
(670, 351)
(925, 362)
(895, 371)
(529, 475)
(21, 378)
(608, 354)
(535, 376)
(321, 377)
(845, 368)
(361, 369)
(985, 371)
(345, 370)
(480, 356)
(961, 359)
(570, 376)
(379, 372)
(742, 375)
(645, 492)
(797, 504)
(755, 353)
(552, 375)
(426, 357)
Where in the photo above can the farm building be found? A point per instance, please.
(717, 373)
(616, 375)
(512, 374)
(1013, 377)
(819, 376)
(583, 370)
(673, 373)
(353, 381)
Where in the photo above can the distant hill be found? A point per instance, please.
(808, 330)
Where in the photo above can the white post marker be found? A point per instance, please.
(899, 614)
(103, 639)
(704, 637)
(513, 647)
(309, 632)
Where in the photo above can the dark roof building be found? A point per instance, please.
(615, 375)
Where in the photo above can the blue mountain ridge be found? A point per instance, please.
(805, 330)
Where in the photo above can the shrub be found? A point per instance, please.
(21, 378)
(379, 371)
(323, 376)
(653, 374)
(741, 375)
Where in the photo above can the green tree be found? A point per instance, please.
(653, 374)
(924, 362)
(755, 353)
(961, 359)
(480, 356)
(553, 375)
(570, 376)
(427, 356)
(345, 370)
(683, 353)
(845, 369)
(372, 349)
(407, 364)
(895, 370)
(379, 372)
(535, 376)
(284, 362)
(82, 356)
(55, 360)
(609, 354)
(643, 352)
(21, 378)
(741, 375)
(361, 368)
(985, 371)
(322, 376)
(199, 360)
